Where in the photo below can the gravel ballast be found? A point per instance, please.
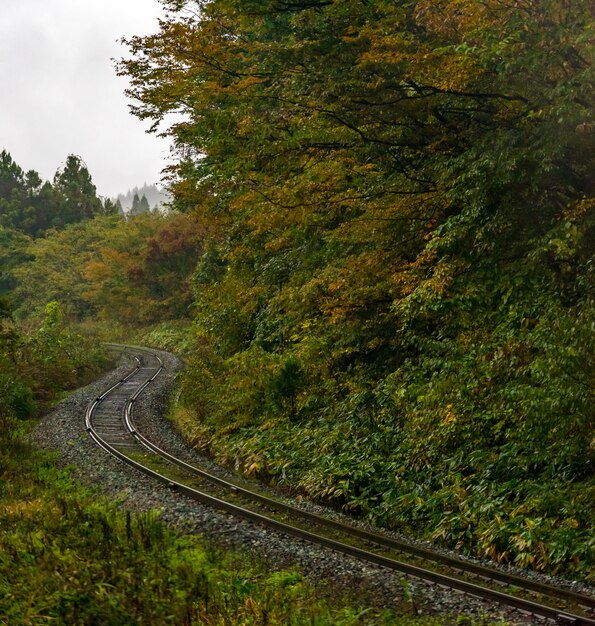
(63, 430)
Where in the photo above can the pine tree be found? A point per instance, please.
(144, 205)
(135, 210)
(79, 199)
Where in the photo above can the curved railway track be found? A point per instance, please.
(109, 422)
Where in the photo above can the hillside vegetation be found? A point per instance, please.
(379, 266)
(394, 308)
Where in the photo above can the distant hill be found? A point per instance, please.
(155, 196)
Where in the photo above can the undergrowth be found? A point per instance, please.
(68, 558)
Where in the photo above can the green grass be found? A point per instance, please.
(69, 558)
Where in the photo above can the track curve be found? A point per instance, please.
(109, 422)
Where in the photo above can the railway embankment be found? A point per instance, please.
(64, 430)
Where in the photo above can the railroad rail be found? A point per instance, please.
(109, 422)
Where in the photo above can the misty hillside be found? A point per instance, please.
(155, 196)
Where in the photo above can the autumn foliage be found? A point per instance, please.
(395, 302)
(383, 236)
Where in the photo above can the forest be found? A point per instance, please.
(377, 262)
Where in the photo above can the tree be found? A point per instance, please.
(135, 209)
(13, 252)
(144, 205)
(109, 207)
(382, 135)
(12, 190)
(33, 206)
(139, 205)
(142, 271)
(78, 197)
(11, 176)
(397, 194)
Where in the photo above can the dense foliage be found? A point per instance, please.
(395, 300)
(35, 368)
(68, 559)
(33, 206)
(125, 273)
(385, 238)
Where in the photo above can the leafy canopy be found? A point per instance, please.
(400, 197)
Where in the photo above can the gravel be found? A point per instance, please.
(63, 430)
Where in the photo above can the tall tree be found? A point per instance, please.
(12, 190)
(32, 206)
(399, 195)
(144, 204)
(374, 134)
(135, 208)
(77, 192)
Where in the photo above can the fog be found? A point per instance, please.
(61, 95)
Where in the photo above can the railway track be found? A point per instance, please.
(110, 423)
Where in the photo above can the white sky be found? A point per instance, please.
(59, 93)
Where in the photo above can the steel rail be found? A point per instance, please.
(443, 580)
(427, 554)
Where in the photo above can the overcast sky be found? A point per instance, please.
(59, 93)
